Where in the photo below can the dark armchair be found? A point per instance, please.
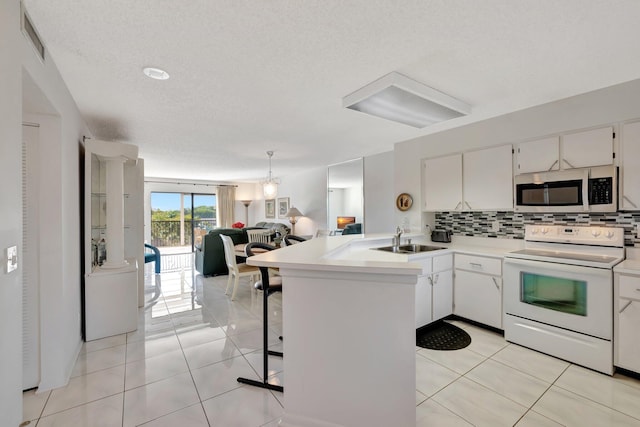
(210, 259)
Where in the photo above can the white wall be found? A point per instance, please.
(60, 245)
(11, 214)
(604, 106)
(60, 136)
(379, 199)
(307, 191)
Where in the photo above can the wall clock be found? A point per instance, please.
(404, 202)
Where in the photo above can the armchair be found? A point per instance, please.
(210, 260)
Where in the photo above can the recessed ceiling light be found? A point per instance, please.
(398, 98)
(155, 73)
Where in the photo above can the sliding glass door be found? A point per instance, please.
(179, 220)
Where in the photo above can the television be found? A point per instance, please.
(344, 220)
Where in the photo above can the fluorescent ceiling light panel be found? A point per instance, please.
(401, 99)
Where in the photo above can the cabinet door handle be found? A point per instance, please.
(435, 279)
(495, 282)
(630, 202)
(430, 279)
(567, 162)
(468, 205)
(457, 206)
(552, 165)
(625, 307)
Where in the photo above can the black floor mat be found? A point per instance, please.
(442, 335)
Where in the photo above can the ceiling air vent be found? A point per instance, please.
(30, 31)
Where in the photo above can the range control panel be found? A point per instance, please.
(578, 234)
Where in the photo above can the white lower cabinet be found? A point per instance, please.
(626, 353)
(434, 290)
(478, 289)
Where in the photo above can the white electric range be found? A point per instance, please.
(558, 292)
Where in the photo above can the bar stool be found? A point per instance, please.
(268, 285)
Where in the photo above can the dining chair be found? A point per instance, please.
(261, 236)
(268, 284)
(236, 271)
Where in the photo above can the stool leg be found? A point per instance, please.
(265, 339)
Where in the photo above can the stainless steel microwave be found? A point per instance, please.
(574, 190)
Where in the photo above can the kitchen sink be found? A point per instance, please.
(409, 249)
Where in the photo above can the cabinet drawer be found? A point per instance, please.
(629, 287)
(479, 264)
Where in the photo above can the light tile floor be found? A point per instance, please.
(180, 368)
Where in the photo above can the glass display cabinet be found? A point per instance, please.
(114, 242)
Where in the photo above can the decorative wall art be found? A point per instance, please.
(404, 202)
(270, 208)
(283, 207)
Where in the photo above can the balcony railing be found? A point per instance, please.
(168, 233)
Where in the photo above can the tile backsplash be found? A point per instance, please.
(510, 225)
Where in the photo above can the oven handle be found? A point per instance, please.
(578, 269)
(625, 307)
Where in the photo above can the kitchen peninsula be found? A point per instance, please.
(349, 332)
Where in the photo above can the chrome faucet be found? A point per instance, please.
(396, 238)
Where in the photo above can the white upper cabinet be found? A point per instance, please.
(630, 171)
(488, 179)
(538, 156)
(575, 150)
(585, 149)
(483, 177)
(442, 183)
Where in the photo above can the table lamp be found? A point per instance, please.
(293, 213)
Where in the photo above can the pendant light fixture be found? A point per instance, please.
(270, 186)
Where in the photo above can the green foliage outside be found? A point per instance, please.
(174, 215)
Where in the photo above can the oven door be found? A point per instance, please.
(567, 296)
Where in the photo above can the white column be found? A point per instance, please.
(114, 237)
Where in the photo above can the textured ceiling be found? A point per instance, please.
(251, 76)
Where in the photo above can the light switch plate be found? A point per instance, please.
(12, 258)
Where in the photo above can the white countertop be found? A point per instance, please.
(483, 246)
(631, 265)
(333, 254)
(353, 253)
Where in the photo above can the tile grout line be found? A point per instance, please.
(540, 397)
(589, 399)
(206, 417)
